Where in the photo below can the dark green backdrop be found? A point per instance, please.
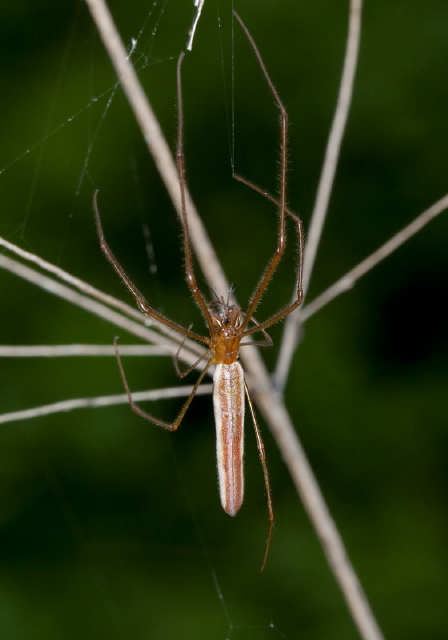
(112, 528)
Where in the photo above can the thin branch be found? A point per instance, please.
(198, 4)
(290, 332)
(334, 141)
(88, 289)
(102, 401)
(64, 350)
(349, 280)
(56, 288)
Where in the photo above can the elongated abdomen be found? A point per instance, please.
(228, 404)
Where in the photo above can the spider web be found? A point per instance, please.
(107, 526)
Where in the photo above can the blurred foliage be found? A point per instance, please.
(112, 528)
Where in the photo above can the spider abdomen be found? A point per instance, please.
(228, 404)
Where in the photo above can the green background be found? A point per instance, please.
(111, 527)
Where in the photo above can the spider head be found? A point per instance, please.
(226, 316)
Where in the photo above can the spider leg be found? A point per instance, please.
(281, 235)
(180, 157)
(299, 289)
(170, 426)
(139, 298)
(266, 195)
(183, 374)
(265, 342)
(261, 451)
(300, 247)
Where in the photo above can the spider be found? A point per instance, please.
(227, 324)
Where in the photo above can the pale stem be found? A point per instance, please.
(198, 4)
(88, 289)
(67, 350)
(56, 288)
(351, 277)
(313, 236)
(272, 406)
(103, 401)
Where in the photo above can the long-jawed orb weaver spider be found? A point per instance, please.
(226, 323)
